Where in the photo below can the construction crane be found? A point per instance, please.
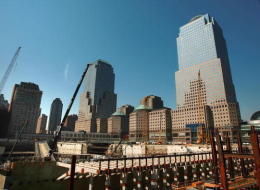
(9, 69)
(57, 134)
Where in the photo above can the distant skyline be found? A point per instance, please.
(137, 37)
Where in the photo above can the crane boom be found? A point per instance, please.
(58, 132)
(9, 69)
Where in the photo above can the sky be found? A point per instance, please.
(137, 37)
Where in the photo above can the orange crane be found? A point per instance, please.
(9, 69)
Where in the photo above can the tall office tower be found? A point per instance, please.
(55, 115)
(204, 76)
(98, 99)
(41, 124)
(24, 108)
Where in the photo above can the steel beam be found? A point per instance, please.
(256, 153)
(72, 172)
(221, 162)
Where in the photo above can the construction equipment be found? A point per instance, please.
(57, 134)
(17, 139)
(9, 69)
(114, 151)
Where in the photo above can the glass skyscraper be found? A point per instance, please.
(55, 115)
(202, 47)
(98, 99)
(204, 76)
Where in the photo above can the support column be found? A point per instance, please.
(256, 153)
(72, 172)
(222, 167)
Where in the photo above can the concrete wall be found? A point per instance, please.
(72, 148)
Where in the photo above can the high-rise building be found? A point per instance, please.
(98, 99)
(41, 124)
(55, 115)
(204, 77)
(69, 124)
(24, 108)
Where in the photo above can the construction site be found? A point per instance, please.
(223, 167)
(90, 163)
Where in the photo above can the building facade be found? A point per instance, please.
(151, 101)
(98, 99)
(246, 127)
(139, 124)
(55, 115)
(69, 124)
(160, 125)
(101, 125)
(41, 124)
(204, 77)
(24, 108)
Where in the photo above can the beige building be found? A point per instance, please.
(101, 125)
(160, 125)
(126, 109)
(88, 125)
(24, 108)
(117, 124)
(41, 124)
(204, 78)
(195, 112)
(139, 124)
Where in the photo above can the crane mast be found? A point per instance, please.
(9, 69)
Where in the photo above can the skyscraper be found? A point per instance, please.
(204, 76)
(55, 115)
(98, 99)
(24, 108)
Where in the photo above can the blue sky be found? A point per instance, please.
(138, 37)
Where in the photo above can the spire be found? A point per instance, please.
(199, 75)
